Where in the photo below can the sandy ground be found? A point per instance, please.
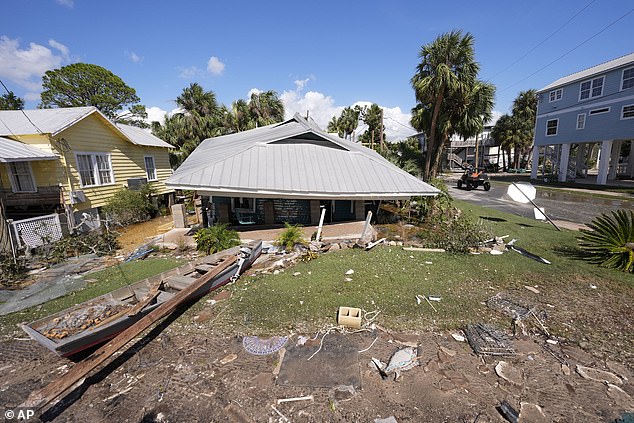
(180, 377)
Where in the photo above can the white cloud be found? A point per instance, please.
(133, 56)
(67, 3)
(25, 67)
(215, 66)
(496, 115)
(189, 72)
(156, 114)
(253, 91)
(301, 83)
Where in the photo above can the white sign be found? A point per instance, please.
(522, 193)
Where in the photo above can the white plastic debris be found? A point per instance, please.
(349, 272)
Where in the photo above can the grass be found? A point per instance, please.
(104, 281)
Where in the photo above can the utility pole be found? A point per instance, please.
(381, 129)
(476, 153)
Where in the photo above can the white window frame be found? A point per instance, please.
(95, 168)
(556, 127)
(147, 170)
(623, 79)
(554, 93)
(14, 183)
(591, 81)
(602, 111)
(623, 112)
(243, 209)
(583, 121)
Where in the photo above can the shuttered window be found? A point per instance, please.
(150, 168)
(94, 169)
(22, 177)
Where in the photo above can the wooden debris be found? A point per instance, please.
(44, 396)
(598, 375)
(426, 250)
(306, 398)
(371, 245)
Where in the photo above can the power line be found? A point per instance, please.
(404, 126)
(543, 41)
(22, 110)
(570, 51)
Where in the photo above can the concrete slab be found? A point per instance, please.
(346, 230)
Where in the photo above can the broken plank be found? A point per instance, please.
(44, 396)
(151, 295)
(426, 250)
(373, 244)
(204, 268)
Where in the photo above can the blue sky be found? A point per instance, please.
(320, 56)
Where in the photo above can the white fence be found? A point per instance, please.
(37, 231)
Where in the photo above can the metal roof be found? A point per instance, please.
(293, 159)
(595, 70)
(140, 136)
(54, 121)
(15, 151)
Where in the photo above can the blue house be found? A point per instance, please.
(585, 121)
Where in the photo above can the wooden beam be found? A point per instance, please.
(44, 396)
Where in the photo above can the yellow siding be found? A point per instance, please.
(93, 136)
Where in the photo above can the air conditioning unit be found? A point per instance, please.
(77, 197)
(136, 184)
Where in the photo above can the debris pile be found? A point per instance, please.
(73, 323)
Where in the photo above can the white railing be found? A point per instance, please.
(37, 231)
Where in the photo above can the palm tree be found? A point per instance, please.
(477, 110)
(266, 108)
(447, 69)
(195, 100)
(525, 110)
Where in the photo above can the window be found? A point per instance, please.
(599, 111)
(150, 168)
(22, 177)
(551, 127)
(556, 95)
(628, 79)
(591, 88)
(94, 169)
(627, 112)
(243, 203)
(581, 120)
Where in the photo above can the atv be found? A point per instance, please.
(473, 178)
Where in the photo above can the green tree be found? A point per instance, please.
(10, 101)
(510, 132)
(83, 84)
(525, 110)
(444, 79)
(266, 108)
(375, 134)
(346, 123)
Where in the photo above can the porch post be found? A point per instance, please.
(563, 162)
(535, 162)
(614, 160)
(604, 162)
(630, 167)
(580, 160)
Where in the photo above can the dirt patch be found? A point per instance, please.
(133, 236)
(180, 377)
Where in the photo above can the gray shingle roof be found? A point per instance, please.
(293, 159)
(15, 151)
(594, 70)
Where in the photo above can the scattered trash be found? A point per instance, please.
(509, 373)
(348, 279)
(259, 346)
(374, 244)
(371, 345)
(426, 250)
(390, 419)
(297, 273)
(342, 393)
(429, 262)
(552, 341)
(434, 298)
(592, 286)
(526, 253)
(496, 252)
(284, 418)
(508, 307)
(598, 375)
(532, 289)
(306, 398)
(487, 340)
(301, 340)
(508, 412)
(401, 360)
(458, 337)
(419, 299)
(349, 272)
(228, 359)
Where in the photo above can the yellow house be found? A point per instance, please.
(72, 160)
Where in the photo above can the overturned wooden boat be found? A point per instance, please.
(100, 319)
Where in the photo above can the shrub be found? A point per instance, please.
(216, 238)
(126, 206)
(610, 240)
(12, 270)
(457, 235)
(96, 242)
(291, 236)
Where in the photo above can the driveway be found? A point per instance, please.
(569, 209)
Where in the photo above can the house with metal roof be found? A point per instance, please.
(70, 161)
(585, 120)
(285, 172)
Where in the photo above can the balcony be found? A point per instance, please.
(45, 196)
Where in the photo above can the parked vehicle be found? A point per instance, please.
(473, 178)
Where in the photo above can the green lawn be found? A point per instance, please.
(104, 281)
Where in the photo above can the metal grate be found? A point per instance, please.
(508, 307)
(37, 231)
(488, 340)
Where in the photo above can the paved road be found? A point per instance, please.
(559, 205)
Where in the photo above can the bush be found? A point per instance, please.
(457, 235)
(610, 240)
(126, 206)
(12, 270)
(216, 238)
(97, 242)
(291, 236)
